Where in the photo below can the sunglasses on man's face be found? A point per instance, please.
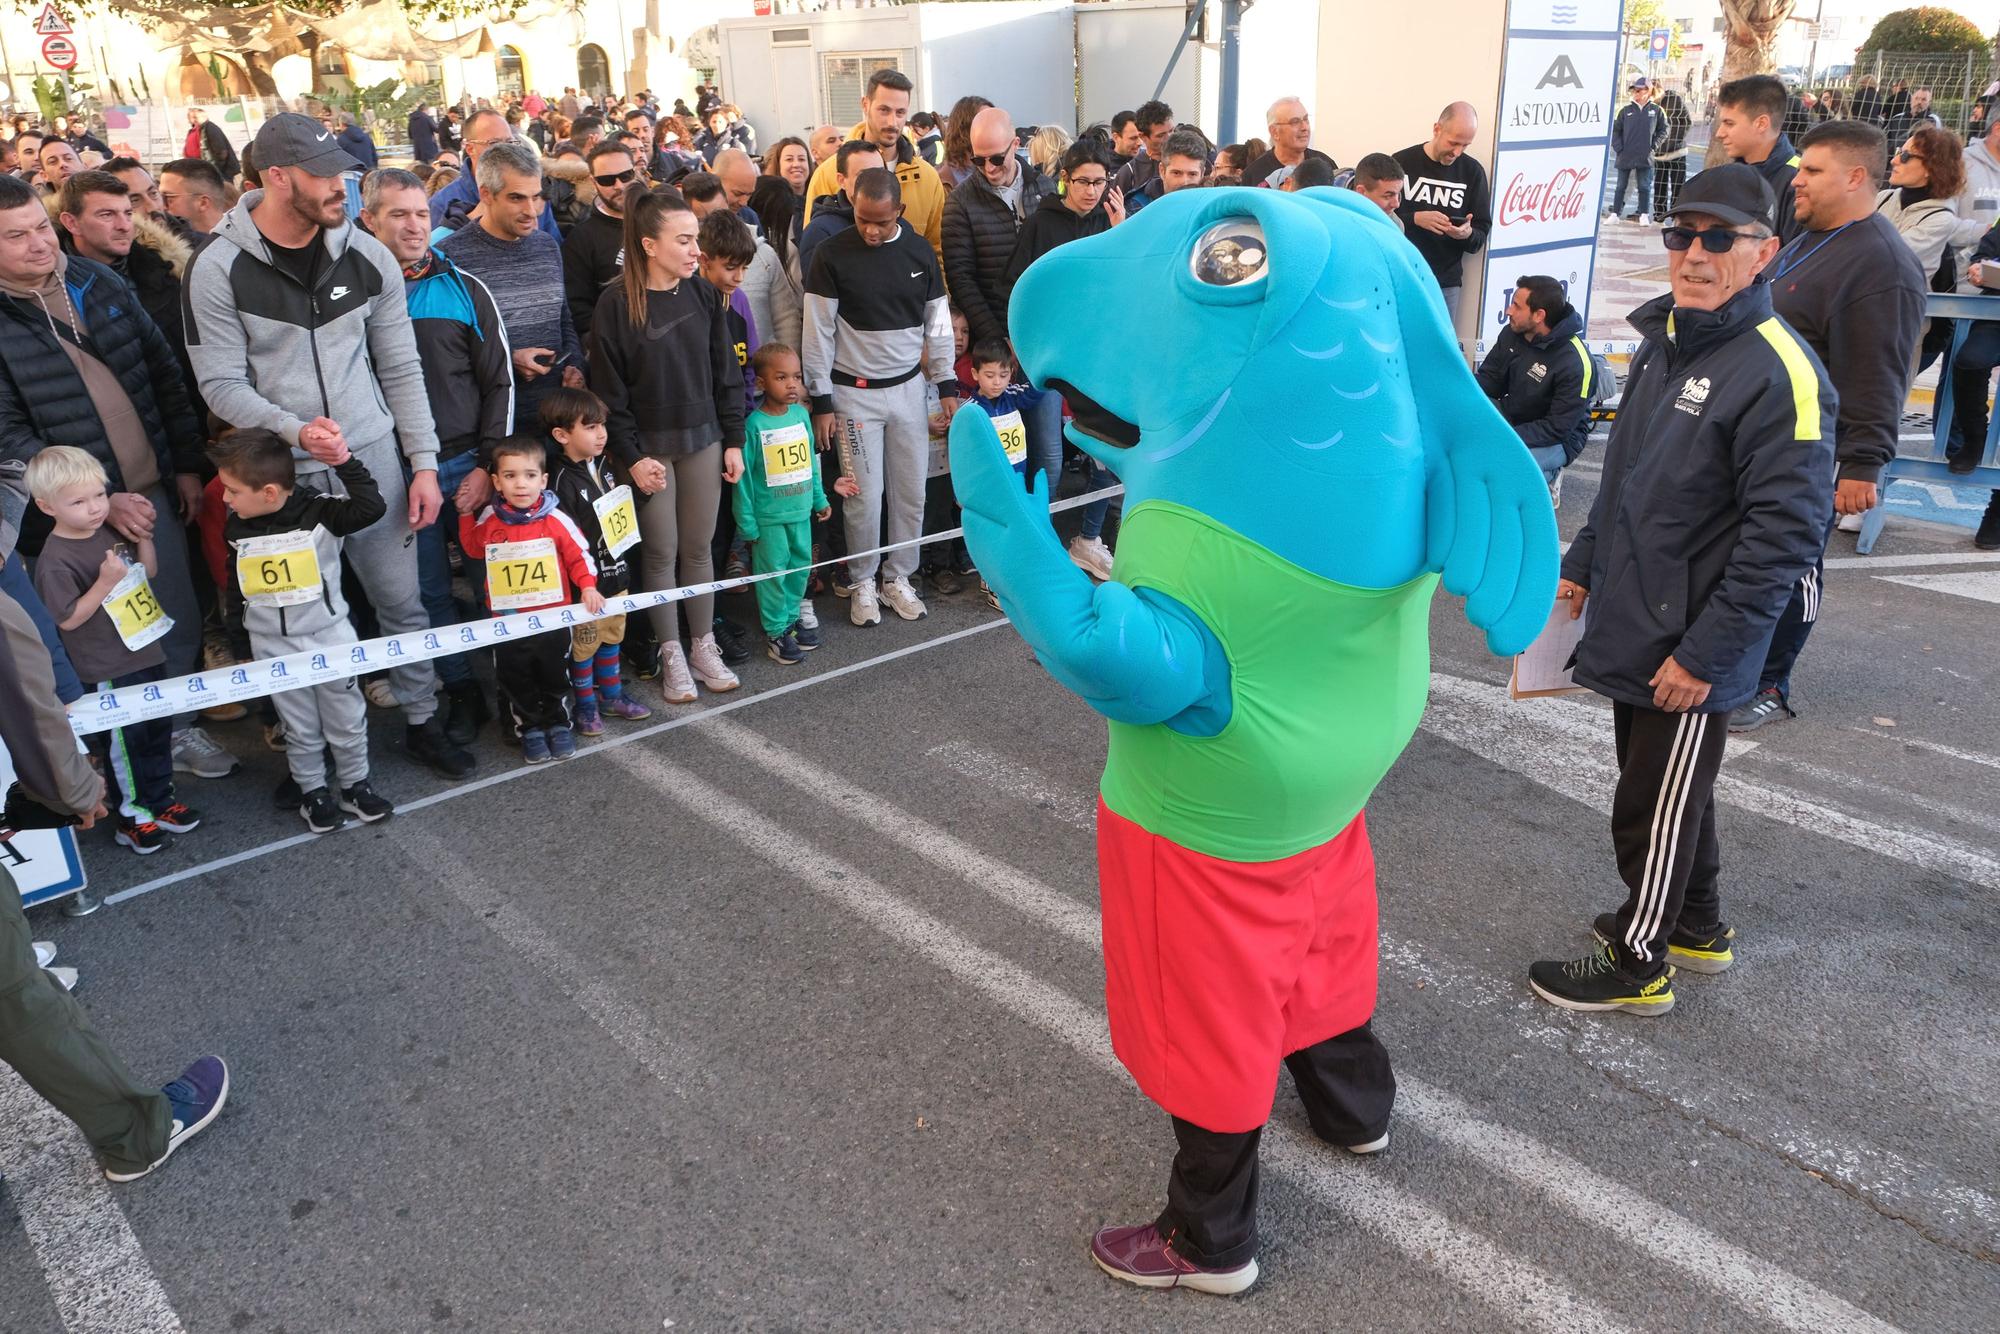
(620, 178)
(1715, 240)
(991, 159)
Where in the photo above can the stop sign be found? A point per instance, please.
(59, 51)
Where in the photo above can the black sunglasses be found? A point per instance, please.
(1715, 240)
(991, 160)
(1907, 156)
(629, 174)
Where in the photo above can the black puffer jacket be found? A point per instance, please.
(979, 233)
(154, 269)
(1050, 225)
(42, 397)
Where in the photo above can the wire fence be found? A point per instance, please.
(1877, 81)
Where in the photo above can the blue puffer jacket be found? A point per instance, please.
(1718, 486)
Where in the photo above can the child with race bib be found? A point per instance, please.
(601, 505)
(777, 499)
(534, 553)
(97, 587)
(285, 540)
(1007, 403)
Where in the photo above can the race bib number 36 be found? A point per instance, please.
(522, 574)
(1013, 436)
(136, 611)
(618, 518)
(278, 570)
(788, 458)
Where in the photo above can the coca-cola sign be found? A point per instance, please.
(1558, 197)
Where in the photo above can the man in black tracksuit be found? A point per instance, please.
(1846, 258)
(1718, 485)
(594, 251)
(1539, 376)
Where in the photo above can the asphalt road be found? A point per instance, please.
(787, 1015)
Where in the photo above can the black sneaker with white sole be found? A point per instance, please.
(1696, 951)
(365, 804)
(320, 811)
(1596, 982)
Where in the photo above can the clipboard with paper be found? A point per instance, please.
(1543, 668)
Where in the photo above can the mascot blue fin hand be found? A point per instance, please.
(1135, 657)
(1489, 527)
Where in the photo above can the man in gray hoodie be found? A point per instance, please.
(293, 315)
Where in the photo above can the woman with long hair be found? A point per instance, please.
(663, 361)
(772, 284)
(1046, 147)
(790, 161)
(958, 140)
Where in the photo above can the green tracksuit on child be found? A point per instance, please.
(775, 501)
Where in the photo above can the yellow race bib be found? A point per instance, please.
(618, 519)
(522, 574)
(136, 611)
(788, 458)
(279, 569)
(1013, 436)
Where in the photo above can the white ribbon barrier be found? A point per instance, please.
(1606, 348)
(125, 705)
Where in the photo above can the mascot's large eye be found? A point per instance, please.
(1230, 254)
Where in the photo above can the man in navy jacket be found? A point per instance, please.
(1718, 484)
(1638, 127)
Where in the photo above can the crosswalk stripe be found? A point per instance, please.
(1754, 1283)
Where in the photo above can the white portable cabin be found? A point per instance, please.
(792, 72)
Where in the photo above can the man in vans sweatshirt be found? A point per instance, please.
(1446, 208)
(296, 323)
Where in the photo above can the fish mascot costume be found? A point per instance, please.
(1304, 455)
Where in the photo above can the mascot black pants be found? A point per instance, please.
(1663, 829)
(1211, 1214)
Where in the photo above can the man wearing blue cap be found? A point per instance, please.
(1640, 125)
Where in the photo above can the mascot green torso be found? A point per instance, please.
(1305, 454)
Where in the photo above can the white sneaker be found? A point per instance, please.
(1645, 219)
(66, 976)
(45, 953)
(807, 616)
(864, 606)
(705, 661)
(676, 686)
(903, 599)
(1849, 523)
(1556, 492)
(195, 752)
(1091, 556)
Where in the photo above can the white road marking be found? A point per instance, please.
(1982, 586)
(1934, 747)
(97, 1273)
(608, 743)
(1514, 1288)
(1853, 782)
(1751, 1281)
(627, 1025)
(1891, 1181)
(1913, 561)
(1566, 747)
(998, 773)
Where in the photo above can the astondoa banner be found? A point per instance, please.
(1558, 94)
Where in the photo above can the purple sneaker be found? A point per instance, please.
(588, 722)
(196, 1099)
(627, 709)
(1141, 1255)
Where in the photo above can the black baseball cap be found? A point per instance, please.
(1734, 193)
(291, 140)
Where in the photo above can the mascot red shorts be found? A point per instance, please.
(1215, 971)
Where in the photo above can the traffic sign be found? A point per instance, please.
(1656, 49)
(51, 23)
(59, 51)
